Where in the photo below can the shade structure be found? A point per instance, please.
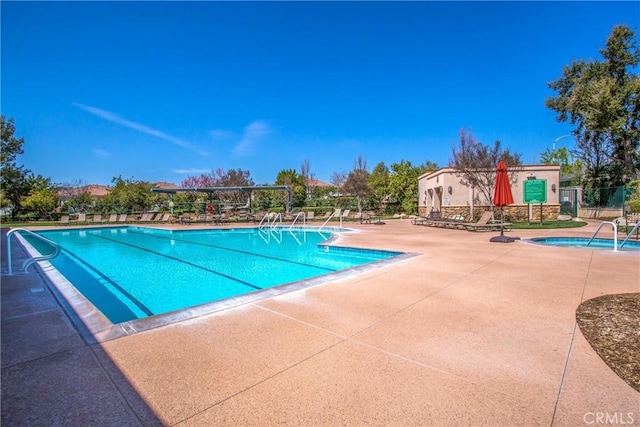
(502, 197)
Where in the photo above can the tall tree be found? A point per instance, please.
(128, 196)
(602, 100)
(403, 185)
(569, 168)
(308, 176)
(14, 184)
(475, 164)
(357, 182)
(379, 183)
(294, 180)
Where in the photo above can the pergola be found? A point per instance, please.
(210, 190)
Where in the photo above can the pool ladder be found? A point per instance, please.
(614, 225)
(27, 263)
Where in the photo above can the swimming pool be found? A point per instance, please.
(581, 242)
(133, 273)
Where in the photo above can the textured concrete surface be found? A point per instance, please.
(467, 333)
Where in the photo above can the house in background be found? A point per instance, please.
(443, 191)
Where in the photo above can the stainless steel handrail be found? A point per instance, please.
(615, 234)
(27, 263)
(635, 227)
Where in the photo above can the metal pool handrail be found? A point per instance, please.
(29, 261)
(615, 234)
(635, 227)
(295, 218)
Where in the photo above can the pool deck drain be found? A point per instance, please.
(468, 332)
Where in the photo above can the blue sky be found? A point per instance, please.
(158, 91)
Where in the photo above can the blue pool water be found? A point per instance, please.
(134, 272)
(582, 242)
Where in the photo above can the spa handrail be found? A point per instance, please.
(27, 263)
(635, 227)
(615, 234)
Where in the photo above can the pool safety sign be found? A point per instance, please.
(535, 191)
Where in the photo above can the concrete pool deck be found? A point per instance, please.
(468, 332)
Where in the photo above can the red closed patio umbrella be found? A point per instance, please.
(502, 197)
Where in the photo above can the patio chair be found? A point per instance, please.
(485, 223)
(418, 220)
(157, 218)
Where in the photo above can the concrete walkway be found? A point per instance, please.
(467, 333)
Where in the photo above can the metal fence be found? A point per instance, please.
(610, 197)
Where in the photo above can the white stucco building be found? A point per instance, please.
(443, 191)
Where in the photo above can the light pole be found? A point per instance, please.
(553, 147)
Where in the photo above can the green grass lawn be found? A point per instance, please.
(547, 224)
(28, 224)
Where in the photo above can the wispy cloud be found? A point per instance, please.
(191, 171)
(256, 132)
(99, 152)
(112, 117)
(222, 135)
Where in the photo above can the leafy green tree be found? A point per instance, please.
(601, 99)
(296, 181)
(42, 202)
(403, 185)
(379, 183)
(13, 180)
(563, 158)
(128, 196)
(475, 164)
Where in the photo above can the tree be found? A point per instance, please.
(403, 185)
(602, 100)
(128, 196)
(294, 180)
(338, 179)
(563, 158)
(476, 163)
(379, 184)
(13, 180)
(42, 202)
(75, 196)
(220, 178)
(308, 177)
(356, 183)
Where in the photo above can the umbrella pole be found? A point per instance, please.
(501, 221)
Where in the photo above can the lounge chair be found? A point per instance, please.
(64, 219)
(157, 218)
(113, 218)
(97, 219)
(310, 216)
(456, 221)
(146, 217)
(82, 218)
(345, 214)
(485, 223)
(325, 216)
(419, 220)
(122, 218)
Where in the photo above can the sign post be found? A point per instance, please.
(535, 191)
